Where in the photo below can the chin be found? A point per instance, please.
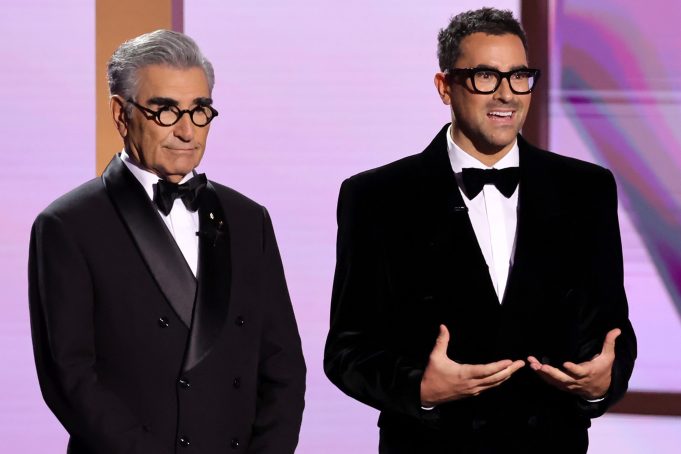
(185, 164)
(503, 140)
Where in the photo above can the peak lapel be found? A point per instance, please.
(537, 215)
(453, 224)
(214, 276)
(155, 243)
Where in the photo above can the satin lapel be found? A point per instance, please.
(155, 243)
(215, 278)
(451, 222)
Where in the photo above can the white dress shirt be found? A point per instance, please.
(182, 223)
(494, 217)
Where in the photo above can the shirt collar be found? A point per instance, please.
(147, 179)
(460, 159)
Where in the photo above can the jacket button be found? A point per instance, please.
(235, 443)
(184, 442)
(237, 382)
(240, 321)
(163, 322)
(184, 383)
(477, 424)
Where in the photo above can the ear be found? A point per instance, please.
(120, 117)
(443, 88)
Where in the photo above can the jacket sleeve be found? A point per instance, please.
(357, 356)
(281, 370)
(605, 287)
(61, 300)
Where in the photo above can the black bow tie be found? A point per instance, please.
(166, 192)
(506, 180)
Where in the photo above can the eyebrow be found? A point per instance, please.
(513, 68)
(161, 101)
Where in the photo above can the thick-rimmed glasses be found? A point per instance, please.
(487, 80)
(169, 115)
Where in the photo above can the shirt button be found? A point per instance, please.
(235, 443)
(163, 322)
(240, 321)
(184, 442)
(237, 382)
(184, 383)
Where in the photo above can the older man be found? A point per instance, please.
(506, 254)
(160, 315)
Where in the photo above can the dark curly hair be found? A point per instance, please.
(491, 21)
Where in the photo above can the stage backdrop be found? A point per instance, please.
(311, 92)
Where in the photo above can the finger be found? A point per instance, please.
(484, 386)
(441, 343)
(485, 370)
(577, 371)
(502, 375)
(551, 381)
(555, 374)
(609, 342)
(534, 363)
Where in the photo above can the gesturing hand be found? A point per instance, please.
(445, 380)
(590, 379)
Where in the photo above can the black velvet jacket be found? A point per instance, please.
(408, 260)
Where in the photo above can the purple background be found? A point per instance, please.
(311, 92)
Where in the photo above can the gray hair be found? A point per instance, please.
(491, 21)
(160, 47)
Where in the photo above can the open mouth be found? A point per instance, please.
(501, 115)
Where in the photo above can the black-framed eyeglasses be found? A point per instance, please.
(487, 80)
(169, 115)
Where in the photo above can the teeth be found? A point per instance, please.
(501, 114)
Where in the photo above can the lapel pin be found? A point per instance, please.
(211, 215)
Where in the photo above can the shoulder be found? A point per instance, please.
(234, 201)
(563, 170)
(78, 202)
(387, 179)
(398, 179)
(79, 212)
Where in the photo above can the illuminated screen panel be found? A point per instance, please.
(616, 100)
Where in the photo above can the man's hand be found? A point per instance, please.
(445, 380)
(590, 379)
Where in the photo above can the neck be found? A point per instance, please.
(487, 156)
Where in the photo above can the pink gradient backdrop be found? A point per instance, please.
(309, 93)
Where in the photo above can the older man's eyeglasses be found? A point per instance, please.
(487, 80)
(169, 115)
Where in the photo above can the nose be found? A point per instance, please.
(184, 129)
(504, 92)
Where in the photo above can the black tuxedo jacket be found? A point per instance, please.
(408, 260)
(120, 367)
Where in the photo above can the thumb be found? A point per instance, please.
(441, 342)
(609, 342)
